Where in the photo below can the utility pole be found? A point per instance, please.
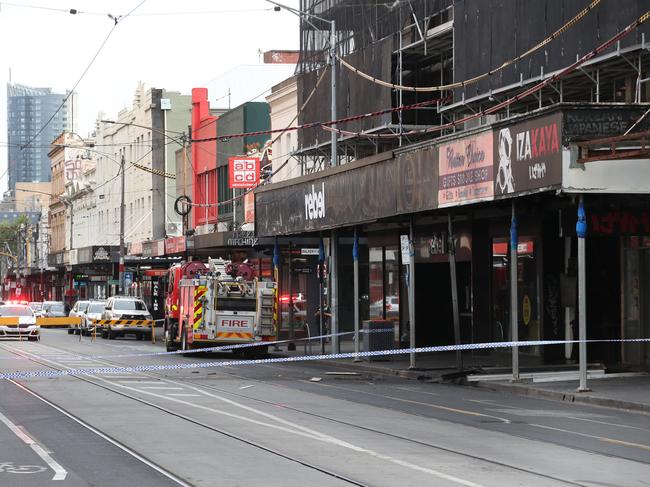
(454, 292)
(581, 231)
(122, 216)
(514, 299)
(334, 241)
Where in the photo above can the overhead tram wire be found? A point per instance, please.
(299, 111)
(116, 20)
(326, 125)
(323, 123)
(480, 77)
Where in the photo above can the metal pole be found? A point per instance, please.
(581, 231)
(411, 295)
(355, 259)
(291, 345)
(122, 216)
(321, 304)
(276, 276)
(454, 293)
(334, 305)
(514, 300)
(334, 298)
(334, 135)
(71, 225)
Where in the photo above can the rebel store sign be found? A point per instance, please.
(528, 156)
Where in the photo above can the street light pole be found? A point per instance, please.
(122, 212)
(333, 162)
(334, 134)
(334, 241)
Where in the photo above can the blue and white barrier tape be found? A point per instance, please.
(304, 358)
(220, 348)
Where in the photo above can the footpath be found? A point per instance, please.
(628, 391)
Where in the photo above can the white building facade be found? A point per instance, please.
(146, 136)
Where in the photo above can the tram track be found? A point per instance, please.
(162, 376)
(175, 414)
(379, 432)
(208, 387)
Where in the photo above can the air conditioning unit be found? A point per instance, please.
(203, 229)
(173, 229)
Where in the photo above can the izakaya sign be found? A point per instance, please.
(243, 172)
(528, 156)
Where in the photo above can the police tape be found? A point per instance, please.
(303, 358)
(221, 348)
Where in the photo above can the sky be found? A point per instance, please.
(164, 43)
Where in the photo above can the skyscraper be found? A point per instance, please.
(28, 110)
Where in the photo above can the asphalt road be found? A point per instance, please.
(272, 424)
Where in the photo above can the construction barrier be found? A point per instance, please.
(129, 326)
(64, 321)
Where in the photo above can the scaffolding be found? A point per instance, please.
(411, 42)
(405, 41)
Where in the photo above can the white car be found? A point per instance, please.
(25, 327)
(94, 311)
(132, 311)
(77, 311)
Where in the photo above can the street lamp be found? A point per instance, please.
(332, 63)
(333, 162)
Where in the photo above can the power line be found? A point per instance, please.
(83, 74)
(480, 77)
(500, 106)
(74, 11)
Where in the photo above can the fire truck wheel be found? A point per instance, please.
(256, 352)
(104, 334)
(169, 341)
(139, 336)
(70, 331)
(184, 345)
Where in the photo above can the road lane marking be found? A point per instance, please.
(162, 388)
(305, 432)
(415, 390)
(618, 425)
(596, 437)
(60, 473)
(434, 406)
(291, 428)
(90, 428)
(490, 402)
(140, 382)
(176, 394)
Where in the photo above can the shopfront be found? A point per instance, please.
(468, 187)
(94, 275)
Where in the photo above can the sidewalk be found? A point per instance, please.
(620, 391)
(429, 366)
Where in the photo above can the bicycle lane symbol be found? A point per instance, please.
(9, 467)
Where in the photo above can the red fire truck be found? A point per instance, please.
(177, 272)
(223, 305)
